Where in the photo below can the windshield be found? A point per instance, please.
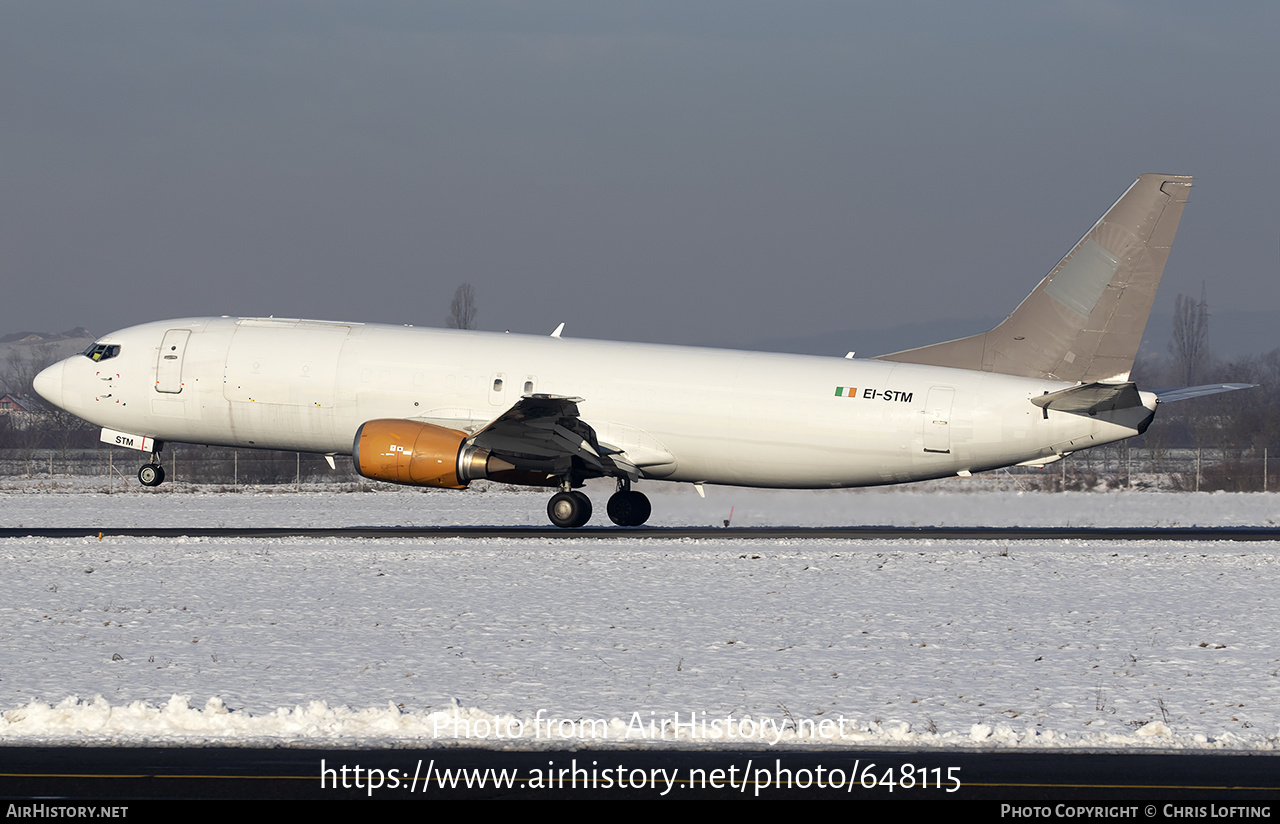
(101, 351)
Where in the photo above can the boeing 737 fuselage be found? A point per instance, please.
(445, 407)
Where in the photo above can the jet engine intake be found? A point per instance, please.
(420, 454)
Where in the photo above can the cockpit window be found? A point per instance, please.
(101, 351)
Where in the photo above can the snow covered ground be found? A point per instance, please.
(548, 642)
(990, 499)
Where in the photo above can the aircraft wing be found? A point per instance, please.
(546, 433)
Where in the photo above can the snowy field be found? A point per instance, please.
(548, 642)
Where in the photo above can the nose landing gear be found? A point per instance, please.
(151, 474)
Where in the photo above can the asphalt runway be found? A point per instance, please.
(848, 533)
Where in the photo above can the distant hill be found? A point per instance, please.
(22, 354)
(79, 333)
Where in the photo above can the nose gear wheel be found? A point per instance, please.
(151, 474)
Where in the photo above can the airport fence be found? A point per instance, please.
(1100, 469)
(182, 464)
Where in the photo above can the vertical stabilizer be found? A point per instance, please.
(1085, 320)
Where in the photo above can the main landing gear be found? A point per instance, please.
(570, 509)
(151, 474)
(628, 507)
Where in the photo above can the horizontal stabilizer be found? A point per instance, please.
(1091, 398)
(1184, 392)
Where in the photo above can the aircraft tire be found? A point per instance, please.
(629, 508)
(569, 510)
(151, 475)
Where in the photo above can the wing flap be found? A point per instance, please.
(546, 433)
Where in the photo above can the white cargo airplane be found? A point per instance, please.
(442, 408)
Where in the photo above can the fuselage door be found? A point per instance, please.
(169, 365)
(937, 419)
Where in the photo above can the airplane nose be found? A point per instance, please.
(48, 384)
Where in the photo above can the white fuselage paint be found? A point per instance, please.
(681, 413)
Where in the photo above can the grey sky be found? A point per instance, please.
(715, 172)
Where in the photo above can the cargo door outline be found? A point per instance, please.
(169, 364)
(936, 430)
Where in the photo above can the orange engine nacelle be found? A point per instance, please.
(420, 454)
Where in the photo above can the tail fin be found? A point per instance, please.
(1085, 320)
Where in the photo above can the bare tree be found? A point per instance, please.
(462, 312)
(1190, 345)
